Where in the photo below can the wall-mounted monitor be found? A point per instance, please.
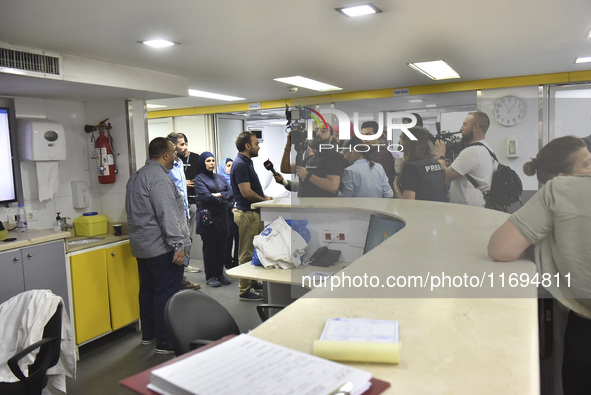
(258, 133)
(380, 228)
(9, 166)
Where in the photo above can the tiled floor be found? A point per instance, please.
(118, 355)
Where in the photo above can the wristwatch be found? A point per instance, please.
(308, 176)
(179, 247)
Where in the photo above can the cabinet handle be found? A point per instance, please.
(112, 254)
(29, 255)
(16, 259)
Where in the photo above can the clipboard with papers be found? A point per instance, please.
(272, 369)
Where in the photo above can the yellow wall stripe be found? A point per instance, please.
(493, 83)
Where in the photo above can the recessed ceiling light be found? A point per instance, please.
(216, 96)
(589, 34)
(152, 106)
(430, 105)
(416, 101)
(158, 43)
(359, 10)
(436, 70)
(308, 83)
(586, 59)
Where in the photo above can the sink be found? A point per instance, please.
(84, 241)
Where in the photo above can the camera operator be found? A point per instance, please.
(473, 161)
(320, 175)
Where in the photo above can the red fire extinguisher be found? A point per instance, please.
(103, 152)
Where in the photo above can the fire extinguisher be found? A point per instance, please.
(103, 152)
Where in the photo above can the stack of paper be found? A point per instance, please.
(246, 365)
(359, 340)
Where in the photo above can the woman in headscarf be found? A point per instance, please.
(213, 193)
(232, 239)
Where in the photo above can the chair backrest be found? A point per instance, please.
(191, 315)
(48, 356)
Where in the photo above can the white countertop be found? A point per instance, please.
(454, 340)
(32, 236)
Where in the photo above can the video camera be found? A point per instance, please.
(298, 130)
(453, 143)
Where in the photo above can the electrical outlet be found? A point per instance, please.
(335, 236)
(32, 215)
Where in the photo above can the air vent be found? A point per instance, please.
(29, 62)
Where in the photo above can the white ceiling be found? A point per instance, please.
(237, 47)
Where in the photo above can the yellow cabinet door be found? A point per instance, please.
(124, 286)
(90, 295)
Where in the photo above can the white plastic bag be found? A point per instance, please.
(280, 246)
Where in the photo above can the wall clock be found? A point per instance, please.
(509, 110)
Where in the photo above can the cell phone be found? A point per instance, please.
(187, 258)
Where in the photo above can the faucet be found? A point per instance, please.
(66, 225)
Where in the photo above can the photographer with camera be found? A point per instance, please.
(474, 164)
(320, 174)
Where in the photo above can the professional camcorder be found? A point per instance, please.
(299, 133)
(453, 143)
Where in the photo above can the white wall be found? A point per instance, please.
(74, 168)
(108, 199)
(195, 127)
(526, 132)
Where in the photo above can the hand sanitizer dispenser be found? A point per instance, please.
(40, 140)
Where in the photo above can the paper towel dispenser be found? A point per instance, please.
(40, 140)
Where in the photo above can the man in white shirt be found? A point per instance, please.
(474, 161)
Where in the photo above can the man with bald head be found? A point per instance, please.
(158, 236)
(474, 164)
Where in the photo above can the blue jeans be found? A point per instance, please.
(159, 280)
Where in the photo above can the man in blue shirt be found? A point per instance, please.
(247, 189)
(177, 173)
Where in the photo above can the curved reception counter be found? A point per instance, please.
(467, 324)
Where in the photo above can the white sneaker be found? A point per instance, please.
(192, 269)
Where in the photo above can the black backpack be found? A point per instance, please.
(505, 188)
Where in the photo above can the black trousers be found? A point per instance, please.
(576, 365)
(159, 280)
(214, 254)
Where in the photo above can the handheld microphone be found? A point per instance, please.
(269, 166)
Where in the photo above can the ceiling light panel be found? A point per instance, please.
(585, 59)
(216, 96)
(436, 70)
(359, 10)
(158, 43)
(308, 83)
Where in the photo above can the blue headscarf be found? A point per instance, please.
(201, 162)
(222, 170)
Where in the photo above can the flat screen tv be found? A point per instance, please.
(380, 228)
(8, 165)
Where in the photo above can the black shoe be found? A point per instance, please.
(224, 280)
(257, 286)
(251, 296)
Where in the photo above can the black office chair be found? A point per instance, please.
(48, 356)
(194, 319)
(265, 308)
